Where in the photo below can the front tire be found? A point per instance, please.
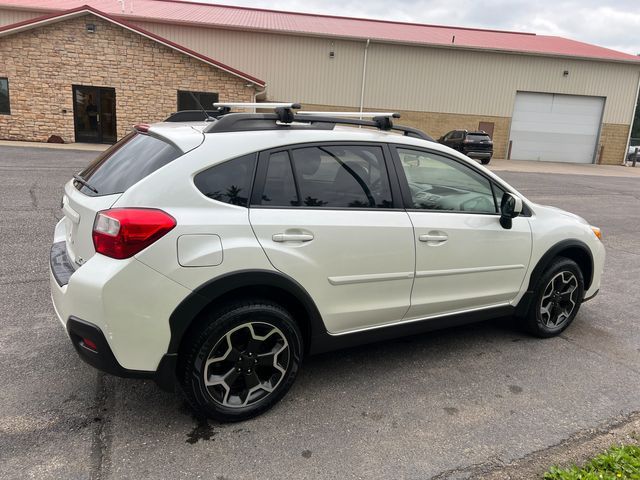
(557, 299)
(241, 361)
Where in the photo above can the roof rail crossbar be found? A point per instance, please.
(360, 115)
(241, 122)
(283, 110)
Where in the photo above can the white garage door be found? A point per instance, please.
(555, 128)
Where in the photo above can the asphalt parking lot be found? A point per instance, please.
(448, 404)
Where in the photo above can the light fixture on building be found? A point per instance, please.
(565, 73)
(91, 28)
(332, 53)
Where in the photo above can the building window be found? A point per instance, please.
(187, 102)
(4, 96)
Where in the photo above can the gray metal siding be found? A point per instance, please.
(8, 16)
(295, 68)
(406, 77)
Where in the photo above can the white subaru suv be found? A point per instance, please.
(215, 255)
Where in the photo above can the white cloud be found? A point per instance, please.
(609, 23)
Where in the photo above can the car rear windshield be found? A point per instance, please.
(478, 137)
(125, 164)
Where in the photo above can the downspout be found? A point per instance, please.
(257, 93)
(626, 150)
(364, 76)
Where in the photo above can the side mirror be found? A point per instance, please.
(510, 207)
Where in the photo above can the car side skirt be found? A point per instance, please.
(325, 342)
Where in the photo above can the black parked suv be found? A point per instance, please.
(473, 144)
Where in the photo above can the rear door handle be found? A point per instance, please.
(292, 237)
(433, 238)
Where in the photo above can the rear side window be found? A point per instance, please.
(126, 163)
(228, 182)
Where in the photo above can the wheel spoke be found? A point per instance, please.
(252, 380)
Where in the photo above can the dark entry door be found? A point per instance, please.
(94, 114)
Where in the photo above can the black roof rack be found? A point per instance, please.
(192, 115)
(285, 118)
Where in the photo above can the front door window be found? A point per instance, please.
(94, 114)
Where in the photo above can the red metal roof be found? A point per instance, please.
(84, 9)
(208, 15)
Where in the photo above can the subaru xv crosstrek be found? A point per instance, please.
(213, 256)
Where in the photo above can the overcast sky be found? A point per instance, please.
(609, 23)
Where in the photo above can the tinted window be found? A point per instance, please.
(478, 137)
(126, 163)
(228, 182)
(186, 101)
(279, 186)
(4, 96)
(440, 183)
(456, 135)
(342, 176)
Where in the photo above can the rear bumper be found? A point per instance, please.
(476, 154)
(122, 306)
(103, 358)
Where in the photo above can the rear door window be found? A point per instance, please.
(126, 163)
(349, 176)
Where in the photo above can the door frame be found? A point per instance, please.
(99, 90)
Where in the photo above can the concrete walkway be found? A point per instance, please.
(498, 165)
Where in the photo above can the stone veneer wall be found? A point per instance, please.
(613, 138)
(42, 64)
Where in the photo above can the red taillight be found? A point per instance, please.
(123, 232)
(90, 344)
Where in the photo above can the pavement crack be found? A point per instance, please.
(599, 354)
(32, 194)
(101, 439)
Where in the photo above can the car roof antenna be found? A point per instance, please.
(208, 118)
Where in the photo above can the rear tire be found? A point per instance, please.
(557, 298)
(485, 161)
(241, 361)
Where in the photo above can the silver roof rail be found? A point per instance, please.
(350, 114)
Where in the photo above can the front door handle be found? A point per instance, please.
(292, 237)
(432, 237)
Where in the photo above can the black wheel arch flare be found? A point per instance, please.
(573, 249)
(206, 294)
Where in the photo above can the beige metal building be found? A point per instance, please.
(542, 98)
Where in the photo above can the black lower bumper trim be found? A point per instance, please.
(103, 358)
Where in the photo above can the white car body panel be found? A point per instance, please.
(479, 264)
(359, 268)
